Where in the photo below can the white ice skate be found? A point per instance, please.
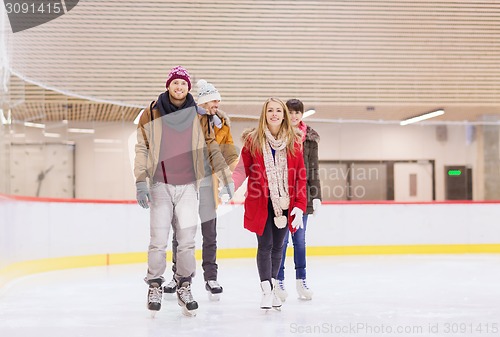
(276, 300)
(185, 300)
(266, 302)
(155, 293)
(303, 290)
(214, 290)
(280, 290)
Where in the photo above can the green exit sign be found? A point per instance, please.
(454, 172)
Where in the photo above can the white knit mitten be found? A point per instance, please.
(280, 221)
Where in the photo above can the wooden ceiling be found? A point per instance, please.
(378, 60)
(29, 102)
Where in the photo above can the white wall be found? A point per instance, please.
(102, 165)
(392, 142)
(104, 170)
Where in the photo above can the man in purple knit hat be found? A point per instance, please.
(172, 155)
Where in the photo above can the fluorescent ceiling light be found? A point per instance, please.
(75, 130)
(136, 120)
(308, 113)
(52, 135)
(422, 117)
(34, 125)
(108, 150)
(107, 141)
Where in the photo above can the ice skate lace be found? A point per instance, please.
(281, 285)
(304, 284)
(155, 294)
(172, 284)
(213, 284)
(185, 294)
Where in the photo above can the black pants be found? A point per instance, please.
(270, 247)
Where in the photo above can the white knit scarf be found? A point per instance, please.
(277, 176)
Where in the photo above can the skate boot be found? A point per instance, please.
(280, 290)
(185, 299)
(303, 290)
(171, 287)
(266, 302)
(276, 299)
(214, 290)
(155, 293)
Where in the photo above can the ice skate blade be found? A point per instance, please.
(304, 298)
(277, 308)
(188, 313)
(153, 313)
(213, 297)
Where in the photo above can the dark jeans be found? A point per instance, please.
(299, 252)
(270, 247)
(208, 217)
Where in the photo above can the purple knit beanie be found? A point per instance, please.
(178, 72)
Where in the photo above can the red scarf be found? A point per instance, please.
(303, 127)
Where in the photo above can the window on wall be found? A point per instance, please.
(354, 180)
(377, 180)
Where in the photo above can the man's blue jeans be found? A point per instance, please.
(299, 252)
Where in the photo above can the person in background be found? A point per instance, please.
(272, 160)
(172, 153)
(218, 123)
(310, 140)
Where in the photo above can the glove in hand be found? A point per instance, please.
(316, 206)
(143, 196)
(298, 221)
(227, 192)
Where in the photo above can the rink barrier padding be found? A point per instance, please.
(73, 233)
(25, 268)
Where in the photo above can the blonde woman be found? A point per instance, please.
(276, 199)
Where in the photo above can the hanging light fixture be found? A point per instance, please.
(422, 117)
(309, 112)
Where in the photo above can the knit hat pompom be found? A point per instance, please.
(207, 92)
(201, 83)
(178, 72)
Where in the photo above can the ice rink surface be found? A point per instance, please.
(406, 295)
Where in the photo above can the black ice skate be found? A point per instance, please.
(185, 299)
(214, 290)
(155, 293)
(171, 287)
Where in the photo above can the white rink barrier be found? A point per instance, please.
(43, 234)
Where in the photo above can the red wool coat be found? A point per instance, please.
(257, 197)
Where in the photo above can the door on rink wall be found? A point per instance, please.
(413, 181)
